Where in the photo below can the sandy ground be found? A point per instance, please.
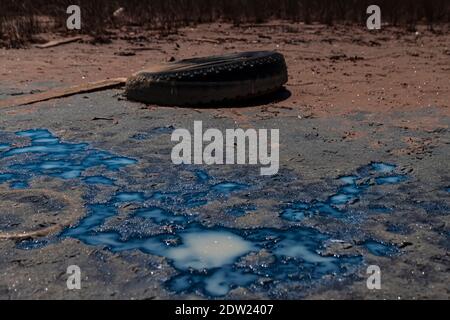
(355, 97)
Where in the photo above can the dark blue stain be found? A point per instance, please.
(383, 168)
(163, 130)
(240, 210)
(193, 200)
(59, 149)
(116, 163)
(390, 180)
(351, 190)
(160, 216)
(300, 210)
(140, 136)
(380, 168)
(229, 187)
(207, 258)
(399, 229)
(32, 244)
(202, 176)
(35, 133)
(342, 198)
(96, 216)
(447, 189)
(129, 197)
(152, 132)
(99, 180)
(375, 168)
(7, 177)
(216, 282)
(17, 185)
(297, 212)
(210, 260)
(160, 196)
(435, 207)
(297, 254)
(380, 249)
(47, 155)
(327, 209)
(348, 180)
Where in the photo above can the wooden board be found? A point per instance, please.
(63, 92)
(58, 42)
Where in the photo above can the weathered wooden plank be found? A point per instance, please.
(58, 42)
(62, 92)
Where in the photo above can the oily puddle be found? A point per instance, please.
(352, 189)
(209, 260)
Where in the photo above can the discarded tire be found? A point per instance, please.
(208, 80)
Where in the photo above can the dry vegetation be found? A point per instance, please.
(20, 20)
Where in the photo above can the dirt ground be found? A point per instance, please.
(332, 70)
(355, 97)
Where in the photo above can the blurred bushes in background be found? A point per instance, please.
(20, 20)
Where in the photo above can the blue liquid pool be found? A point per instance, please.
(98, 180)
(129, 197)
(211, 260)
(47, 155)
(160, 216)
(352, 189)
(380, 249)
(240, 210)
(229, 187)
(381, 167)
(390, 180)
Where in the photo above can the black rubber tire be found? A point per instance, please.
(209, 80)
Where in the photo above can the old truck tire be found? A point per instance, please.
(209, 80)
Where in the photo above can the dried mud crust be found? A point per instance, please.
(209, 80)
(34, 213)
